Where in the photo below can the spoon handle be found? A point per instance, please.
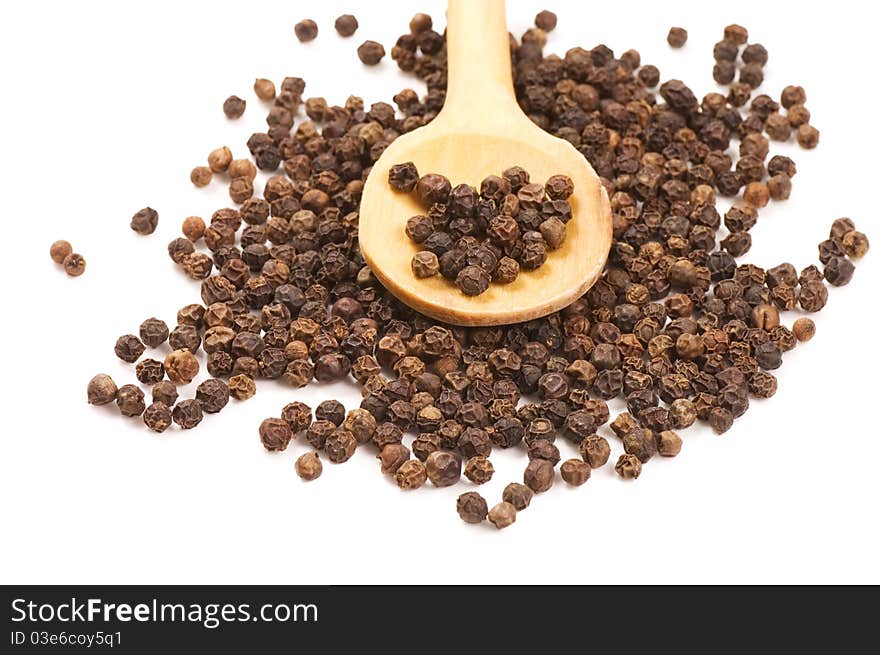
(479, 94)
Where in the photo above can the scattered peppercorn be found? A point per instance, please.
(545, 20)
(306, 30)
(74, 264)
(803, 329)
(59, 251)
(677, 37)
(502, 515)
(157, 417)
(233, 107)
(145, 221)
(370, 52)
(308, 466)
(628, 467)
(575, 472)
(187, 414)
(346, 25)
(101, 390)
(472, 507)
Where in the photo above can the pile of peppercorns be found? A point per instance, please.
(474, 237)
(676, 326)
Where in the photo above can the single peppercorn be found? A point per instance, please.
(803, 329)
(479, 469)
(157, 417)
(193, 228)
(74, 264)
(181, 366)
(275, 434)
(149, 371)
(164, 392)
(346, 25)
(392, 457)
(308, 466)
(339, 446)
(538, 475)
(518, 495)
(425, 264)
(219, 159)
(264, 89)
(677, 37)
(668, 443)
(201, 176)
(855, 244)
(129, 348)
(443, 468)
(807, 136)
(101, 390)
(403, 177)
(472, 507)
(145, 221)
(59, 251)
(306, 30)
(187, 414)
(575, 472)
(628, 467)
(595, 450)
(130, 400)
(370, 52)
(411, 475)
(233, 107)
(502, 515)
(545, 20)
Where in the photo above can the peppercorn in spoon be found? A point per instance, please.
(481, 130)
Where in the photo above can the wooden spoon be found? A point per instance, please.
(481, 130)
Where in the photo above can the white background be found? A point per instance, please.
(106, 108)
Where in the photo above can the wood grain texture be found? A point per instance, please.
(481, 131)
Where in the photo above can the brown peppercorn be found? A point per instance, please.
(233, 107)
(153, 332)
(74, 264)
(187, 414)
(129, 348)
(518, 495)
(807, 136)
(756, 194)
(340, 446)
(736, 34)
(181, 366)
(59, 250)
(420, 23)
(538, 475)
(472, 507)
(193, 228)
(244, 168)
(219, 159)
(812, 295)
(575, 472)
(553, 232)
(242, 387)
(213, 395)
(411, 475)
(201, 176)
(779, 187)
(478, 469)
(308, 466)
(793, 95)
(472, 280)
(765, 316)
(346, 25)
(778, 127)
(264, 89)
(101, 390)
(145, 221)
(677, 37)
(425, 264)
(855, 244)
(803, 329)
(275, 434)
(839, 271)
(240, 189)
(306, 30)
(130, 400)
(595, 450)
(392, 457)
(545, 20)
(403, 177)
(361, 424)
(443, 468)
(668, 443)
(370, 52)
(157, 417)
(723, 72)
(640, 442)
(628, 467)
(502, 515)
(149, 371)
(164, 392)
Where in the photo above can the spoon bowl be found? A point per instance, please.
(481, 131)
